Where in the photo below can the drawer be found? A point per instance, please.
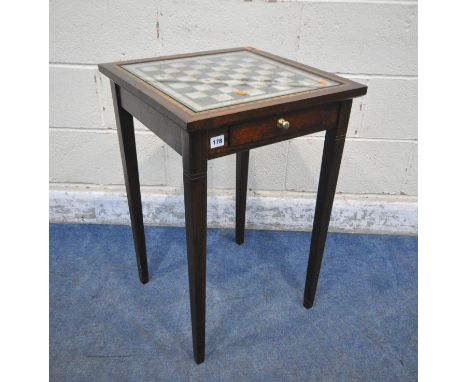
(285, 126)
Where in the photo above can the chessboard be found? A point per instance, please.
(224, 79)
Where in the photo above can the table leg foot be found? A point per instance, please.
(199, 358)
(144, 278)
(308, 304)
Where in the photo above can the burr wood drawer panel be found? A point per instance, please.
(285, 126)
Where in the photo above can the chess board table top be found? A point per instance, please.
(225, 79)
(192, 89)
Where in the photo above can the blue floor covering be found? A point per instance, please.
(106, 326)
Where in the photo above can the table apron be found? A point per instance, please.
(241, 136)
(158, 123)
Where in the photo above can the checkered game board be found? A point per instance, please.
(225, 79)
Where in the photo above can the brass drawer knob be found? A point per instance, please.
(282, 124)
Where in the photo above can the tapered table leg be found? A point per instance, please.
(195, 186)
(331, 160)
(126, 134)
(242, 172)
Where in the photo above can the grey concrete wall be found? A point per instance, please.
(371, 41)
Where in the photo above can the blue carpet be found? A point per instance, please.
(106, 326)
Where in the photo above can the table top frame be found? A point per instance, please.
(192, 121)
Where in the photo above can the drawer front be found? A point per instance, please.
(285, 126)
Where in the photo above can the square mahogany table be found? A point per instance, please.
(210, 104)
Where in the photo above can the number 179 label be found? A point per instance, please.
(216, 141)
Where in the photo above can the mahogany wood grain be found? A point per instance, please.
(306, 121)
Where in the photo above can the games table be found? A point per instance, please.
(209, 104)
